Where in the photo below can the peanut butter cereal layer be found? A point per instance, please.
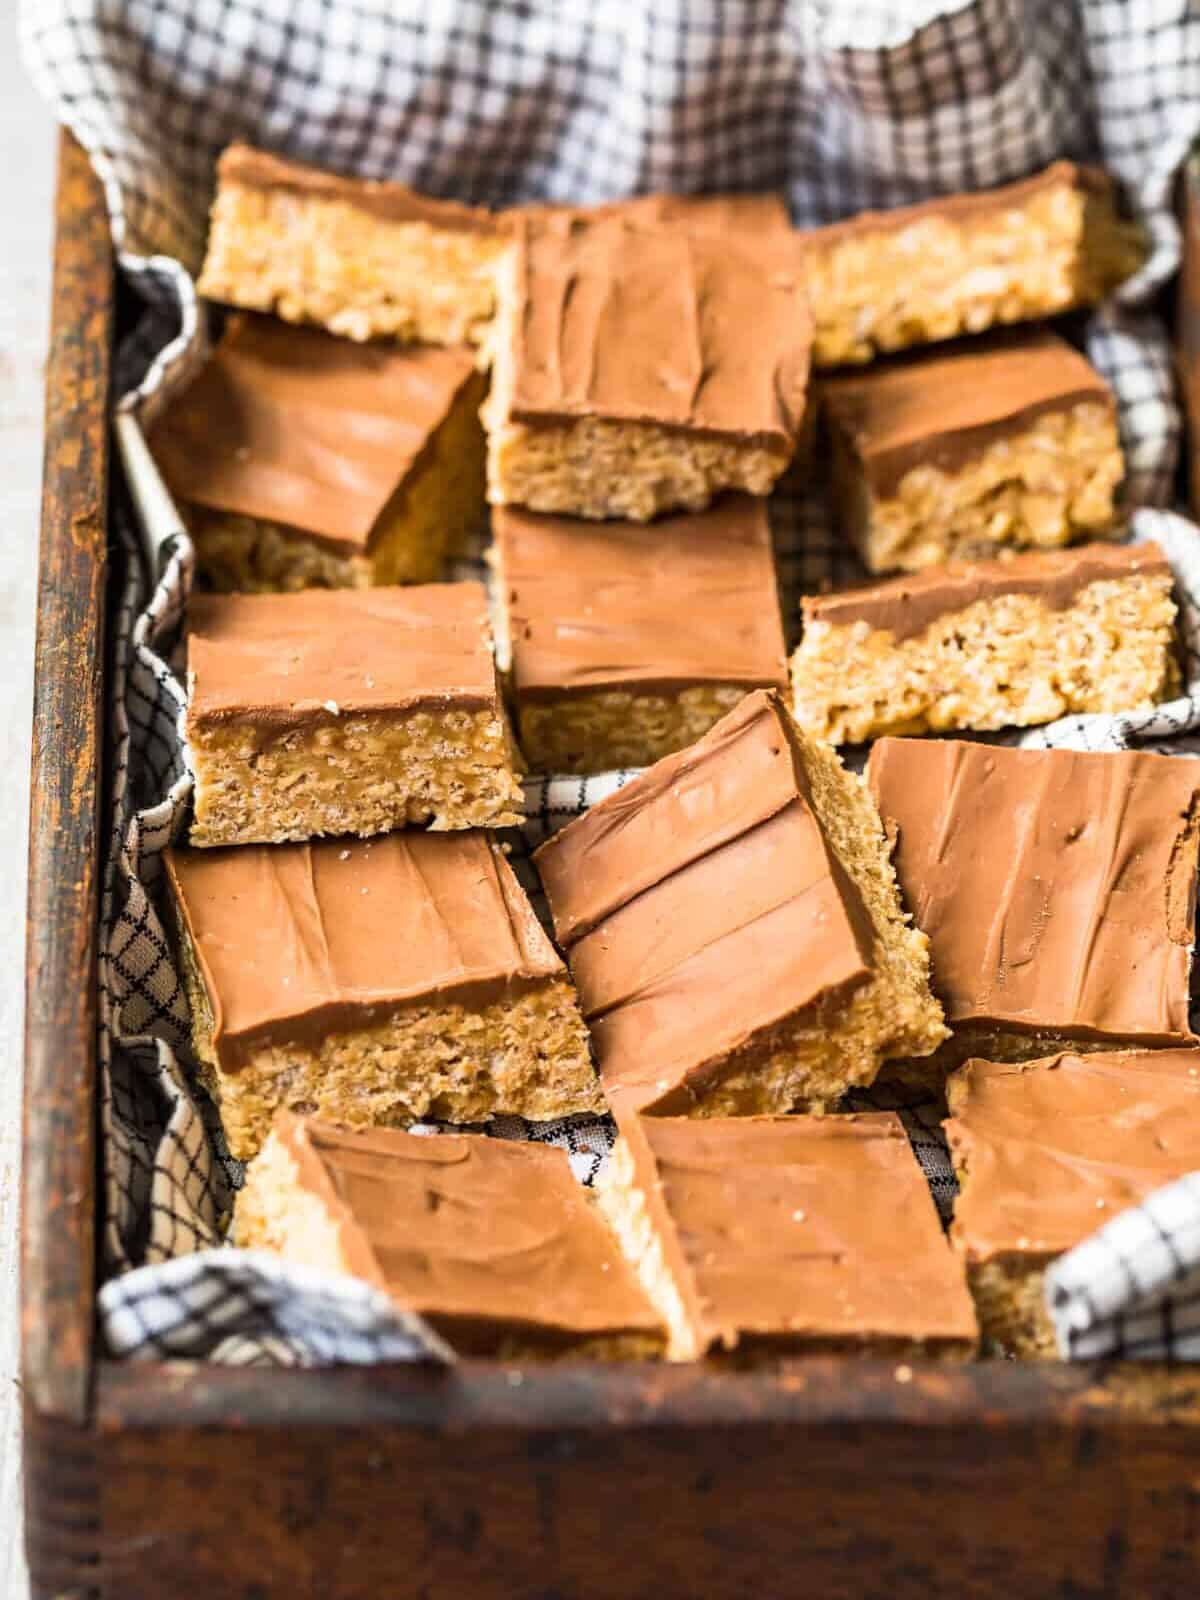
(627, 641)
(302, 460)
(990, 644)
(362, 258)
(733, 925)
(886, 280)
(345, 711)
(1004, 443)
(642, 369)
(376, 982)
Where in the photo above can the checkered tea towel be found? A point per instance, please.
(841, 107)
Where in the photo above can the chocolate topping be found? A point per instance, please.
(726, 214)
(482, 1237)
(393, 202)
(905, 607)
(284, 659)
(1057, 887)
(294, 426)
(962, 207)
(688, 600)
(943, 409)
(673, 325)
(295, 941)
(785, 1229)
(1052, 1150)
(702, 903)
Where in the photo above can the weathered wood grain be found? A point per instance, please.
(838, 1480)
(60, 1022)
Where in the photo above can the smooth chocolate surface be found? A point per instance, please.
(905, 607)
(605, 605)
(700, 904)
(1051, 1150)
(963, 208)
(786, 1229)
(292, 425)
(942, 409)
(297, 940)
(728, 214)
(673, 325)
(1057, 887)
(392, 202)
(282, 659)
(480, 1236)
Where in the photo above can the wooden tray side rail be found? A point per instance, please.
(59, 1155)
(837, 1479)
(844, 1479)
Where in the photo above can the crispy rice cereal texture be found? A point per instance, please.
(940, 274)
(353, 775)
(346, 712)
(671, 1035)
(612, 728)
(430, 519)
(312, 258)
(595, 413)
(1010, 1301)
(598, 468)
(1007, 662)
(525, 1055)
(809, 1061)
(1045, 485)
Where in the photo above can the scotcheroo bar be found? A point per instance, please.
(493, 1243)
(1049, 1151)
(886, 280)
(1057, 888)
(303, 460)
(342, 711)
(1009, 442)
(363, 258)
(627, 641)
(377, 982)
(639, 369)
(995, 644)
(763, 1237)
(733, 926)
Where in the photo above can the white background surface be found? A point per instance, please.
(27, 161)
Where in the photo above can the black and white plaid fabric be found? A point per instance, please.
(842, 107)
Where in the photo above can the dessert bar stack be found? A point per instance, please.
(649, 386)
(747, 931)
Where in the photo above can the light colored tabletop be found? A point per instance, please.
(27, 143)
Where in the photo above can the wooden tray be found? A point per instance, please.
(837, 1478)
